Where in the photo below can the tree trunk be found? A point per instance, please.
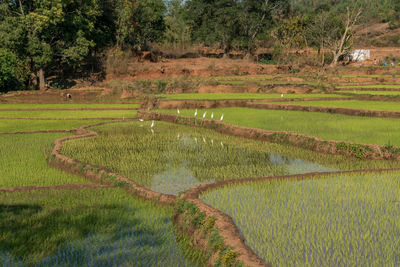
(42, 81)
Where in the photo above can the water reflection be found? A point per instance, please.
(190, 163)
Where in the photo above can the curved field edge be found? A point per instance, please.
(361, 151)
(212, 242)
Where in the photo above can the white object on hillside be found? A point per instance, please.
(195, 113)
(152, 124)
(204, 115)
(222, 117)
(212, 141)
(177, 110)
(281, 95)
(360, 54)
(141, 120)
(222, 144)
(204, 140)
(212, 115)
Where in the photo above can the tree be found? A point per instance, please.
(8, 71)
(140, 23)
(177, 30)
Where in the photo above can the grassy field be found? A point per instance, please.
(346, 220)
(176, 158)
(356, 104)
(382, 131)
(70, 114)
(223, 96)
(369, 76)
(23, 162)
(362, 92)
(42, 125)
(377, 86)
(62, 106)
(86, 227)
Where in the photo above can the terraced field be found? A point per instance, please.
(225, 96)
(354, 104)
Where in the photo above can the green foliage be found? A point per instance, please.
(8, 71)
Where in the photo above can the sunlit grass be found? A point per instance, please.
(362, 92)
(370, 86)
(346, 220)
(355, 104)
(22, 162)
(382, 131)
(68, 106)
(222, 96)
(70, 114)
(42, 125)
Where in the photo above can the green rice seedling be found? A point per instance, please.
(369, 86)
(224, 96)
(174, 158)
(323, 125)
(340, 220)
(362, 92)
(87, 227)
(356, 104)
(63, 106)
(22, 162)
(42, 125)
(70, 114)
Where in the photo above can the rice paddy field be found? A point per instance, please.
(66, 106)
(174, 158)
(355, 104)
(370, 86)
(342, 220)
(323, 125)
(335, 219)
(86, 227)
(362, 92)
(69, 114)
(223, 96)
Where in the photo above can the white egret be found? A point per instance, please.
(141, 120)
(152, 124)
(281, 95)
(204, 115)
(195, 113)
(222, 144)
(222, 117)
(212, 141)
(204, 140)
(177, 110)
(212, 115)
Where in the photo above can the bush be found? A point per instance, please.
(8, 71)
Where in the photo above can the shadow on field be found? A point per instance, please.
(94, 234)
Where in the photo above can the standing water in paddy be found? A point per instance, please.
(176, 158)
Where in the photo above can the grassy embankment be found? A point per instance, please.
(385, 93)
(347, 220)
(66, 106)
(70, 114)
(381, 131)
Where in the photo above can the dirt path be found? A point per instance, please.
(54, 187)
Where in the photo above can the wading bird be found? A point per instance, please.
(177, 110)
(204, 140)
(204, 115)
(281, 95)
(222, 117)
(152, 124)
(195, 113)
(212, 115)
(222, 144)
(141, 120)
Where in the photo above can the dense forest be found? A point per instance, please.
(63, 37)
